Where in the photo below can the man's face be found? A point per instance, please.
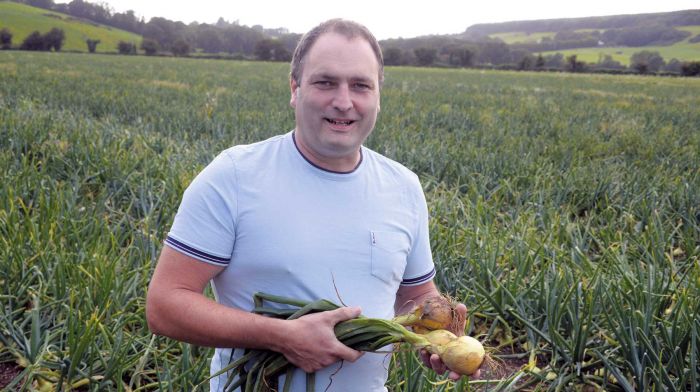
(337, 101)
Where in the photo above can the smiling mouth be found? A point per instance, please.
(339, 122)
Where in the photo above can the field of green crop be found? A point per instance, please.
(565, 212)
(22, 20)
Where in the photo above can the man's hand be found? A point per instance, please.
(434, 362)
(311, 343)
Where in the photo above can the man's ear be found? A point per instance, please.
(294, 91)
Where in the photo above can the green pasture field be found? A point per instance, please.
(522, 37)
(565, 212)
(22, 20)
(682, 51)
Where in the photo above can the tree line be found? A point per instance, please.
(161, 35)
(232, 40)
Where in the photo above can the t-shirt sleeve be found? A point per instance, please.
(204, 226)
(420, 267)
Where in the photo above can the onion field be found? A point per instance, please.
(565, 213)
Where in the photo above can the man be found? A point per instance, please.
(309, 214)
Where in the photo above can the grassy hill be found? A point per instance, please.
(531, 34)
(683, 50)
(22, 20)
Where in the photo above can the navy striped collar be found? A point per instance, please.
(319, 167)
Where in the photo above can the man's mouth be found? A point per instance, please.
(339, 122)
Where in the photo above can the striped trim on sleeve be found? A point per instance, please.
(197, 254)
(419, 280)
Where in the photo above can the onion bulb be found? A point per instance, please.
(463, 355)
(434, 313)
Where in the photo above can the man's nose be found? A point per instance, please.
(342, 100)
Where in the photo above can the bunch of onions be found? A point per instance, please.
(258, 370)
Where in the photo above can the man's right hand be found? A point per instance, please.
(310, 342)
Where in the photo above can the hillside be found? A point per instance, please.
(676, 18)
(672, 34)
(22, 20)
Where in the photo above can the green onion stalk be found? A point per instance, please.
(258, 370)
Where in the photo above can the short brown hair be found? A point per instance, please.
(343, 27)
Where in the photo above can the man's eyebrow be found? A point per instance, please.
(325, 76)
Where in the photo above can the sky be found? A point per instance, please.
(388, 18)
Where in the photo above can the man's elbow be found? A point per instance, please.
(154, 317)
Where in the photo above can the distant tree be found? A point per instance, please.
(164, 31)
(149, 46)
(393, 56)
(493, 52)
(539, 61)
(271, 49)
(126, 47)
(34, 41)
(691, 68)
(607, 62)
(646, 61)
(289, 41)
(45, 4)
(5, 39)
(555, 61)
(92, 44)
(208, 38)
(263, 49)
(280, 53)
(521, 57)
(54, 39)
(92, 11)
(127, 21)
(425, 56)
(526, 62)
(573, 65)
(181, 48)
(674, 65)
(461, 55)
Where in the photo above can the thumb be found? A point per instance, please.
(461, 319)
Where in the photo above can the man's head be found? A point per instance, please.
(335, 83)
(347, 28)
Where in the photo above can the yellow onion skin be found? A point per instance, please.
(463, 355)
(436, 313)
(440, 337)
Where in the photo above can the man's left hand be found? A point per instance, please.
(434, 362)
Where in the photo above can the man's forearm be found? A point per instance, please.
(191, 317)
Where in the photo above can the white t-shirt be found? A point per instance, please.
(281, 225)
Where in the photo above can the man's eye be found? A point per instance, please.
(323, 83)
(362, 86)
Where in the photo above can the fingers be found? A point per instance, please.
(437, 365)
(313, 344)
(344, 313)
(425, 357)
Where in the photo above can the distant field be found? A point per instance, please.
(683, 51)
(22, 20)
(521, 37)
